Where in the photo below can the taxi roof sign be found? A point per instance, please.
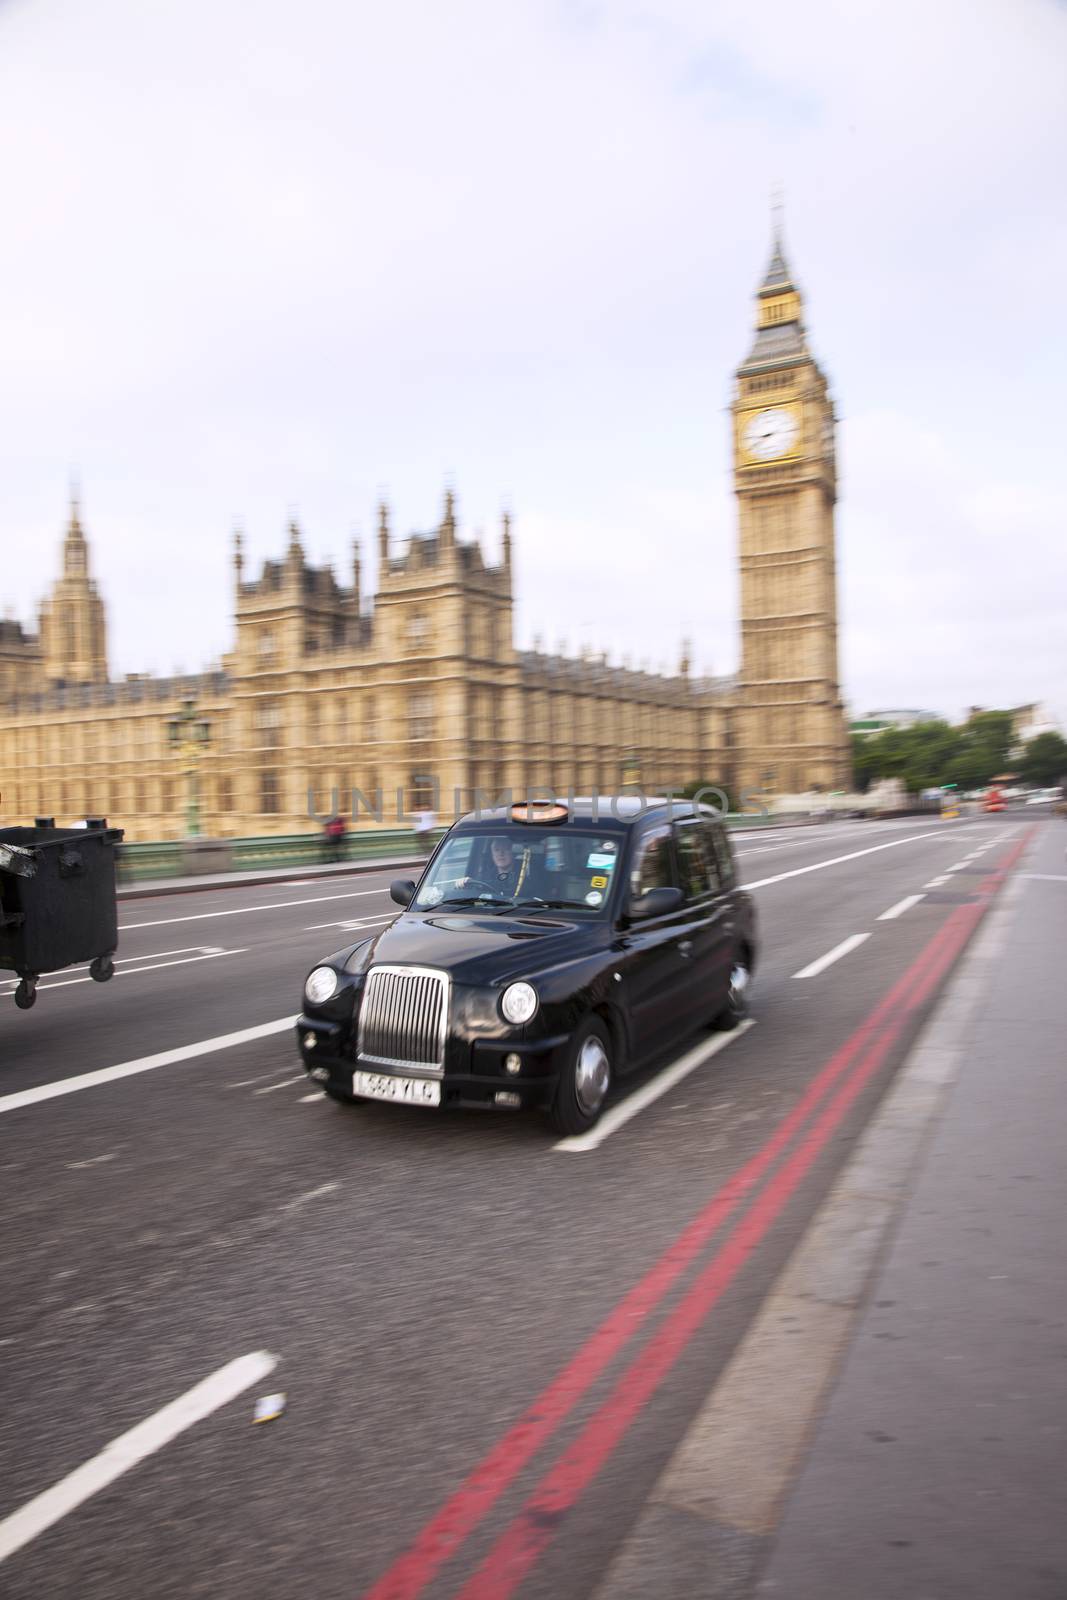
(539, 811)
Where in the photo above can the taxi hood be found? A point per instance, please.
(483, 948)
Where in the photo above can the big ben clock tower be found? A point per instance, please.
(790, 727)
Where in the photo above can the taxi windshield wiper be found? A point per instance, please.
(535, 903)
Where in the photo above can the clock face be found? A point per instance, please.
(770, 433)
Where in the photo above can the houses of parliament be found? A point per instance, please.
(423, 690)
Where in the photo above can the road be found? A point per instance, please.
(477, 1398)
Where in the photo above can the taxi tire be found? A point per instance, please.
(342, 1097)
(568, 1117)
(735, 1010)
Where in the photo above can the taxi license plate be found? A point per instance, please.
(385, 1086)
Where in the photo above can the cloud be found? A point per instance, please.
(254, 268)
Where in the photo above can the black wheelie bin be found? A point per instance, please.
(57, 901)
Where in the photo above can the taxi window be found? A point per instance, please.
(455, 856)
(697, 860)
(566, 867)
(653, 866)
(716, 838)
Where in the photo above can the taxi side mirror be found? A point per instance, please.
(402, 890)
(654, 903)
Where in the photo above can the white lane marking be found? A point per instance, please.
(239, 911)
(93, 1161)
(155, 955)
(614, 1119)
(131, 1448)
(901, 906)
(813, 969)
(246, 1083)
(310, 1194)
(935, 883)
(957, 867)
(353, 925)
(1046, 877)
(127, 1069)
(320, 1094)
(816, 835)
(286, 1083)
(155, 966)
(853, 855)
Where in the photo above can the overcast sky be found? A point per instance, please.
(257, 259)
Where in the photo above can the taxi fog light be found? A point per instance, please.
(320, 1074)
(512, 1063)
(310, 1041)
(321, 985)
(519, 1002)
(504, 1097)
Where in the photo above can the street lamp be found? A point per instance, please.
(189, 734)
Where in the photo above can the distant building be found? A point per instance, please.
(323, 693)
(1028, 721)
(878, 721)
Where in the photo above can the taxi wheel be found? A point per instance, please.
(585, 1080)
(736, 1008)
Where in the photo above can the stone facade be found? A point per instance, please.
(424, 691)
(790, 724)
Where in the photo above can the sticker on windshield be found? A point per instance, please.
(601, 859)
(594, 897)
(433, 896)
(598, 883)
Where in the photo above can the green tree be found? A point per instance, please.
(1044, 759)
(920, 756)
(988, 738)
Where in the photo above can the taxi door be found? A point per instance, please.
(708, 940)
(656, 971)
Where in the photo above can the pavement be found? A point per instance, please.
(491, 1344)
(893, 1423)
(946, 1434)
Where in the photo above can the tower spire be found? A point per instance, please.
(448, 521)
(357, 578)
(75, 506)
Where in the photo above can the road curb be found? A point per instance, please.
(708, 1524)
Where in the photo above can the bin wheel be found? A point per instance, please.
(26, 993)
(101, 969)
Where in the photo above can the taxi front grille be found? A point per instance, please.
(403, 1020)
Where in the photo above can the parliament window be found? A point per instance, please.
(267, 720)
(269, 792)
(420, 716)
(418, 632)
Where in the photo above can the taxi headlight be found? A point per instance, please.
(519, 1002)
(321, 985)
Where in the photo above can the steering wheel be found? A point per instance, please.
(470, 882)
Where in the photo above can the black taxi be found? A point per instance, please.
(547, 949)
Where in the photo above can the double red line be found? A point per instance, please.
(846, 1073)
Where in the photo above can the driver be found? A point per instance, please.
(502, 871)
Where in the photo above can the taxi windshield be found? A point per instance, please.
(515, 865)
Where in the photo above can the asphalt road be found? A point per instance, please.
(445, 1295)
